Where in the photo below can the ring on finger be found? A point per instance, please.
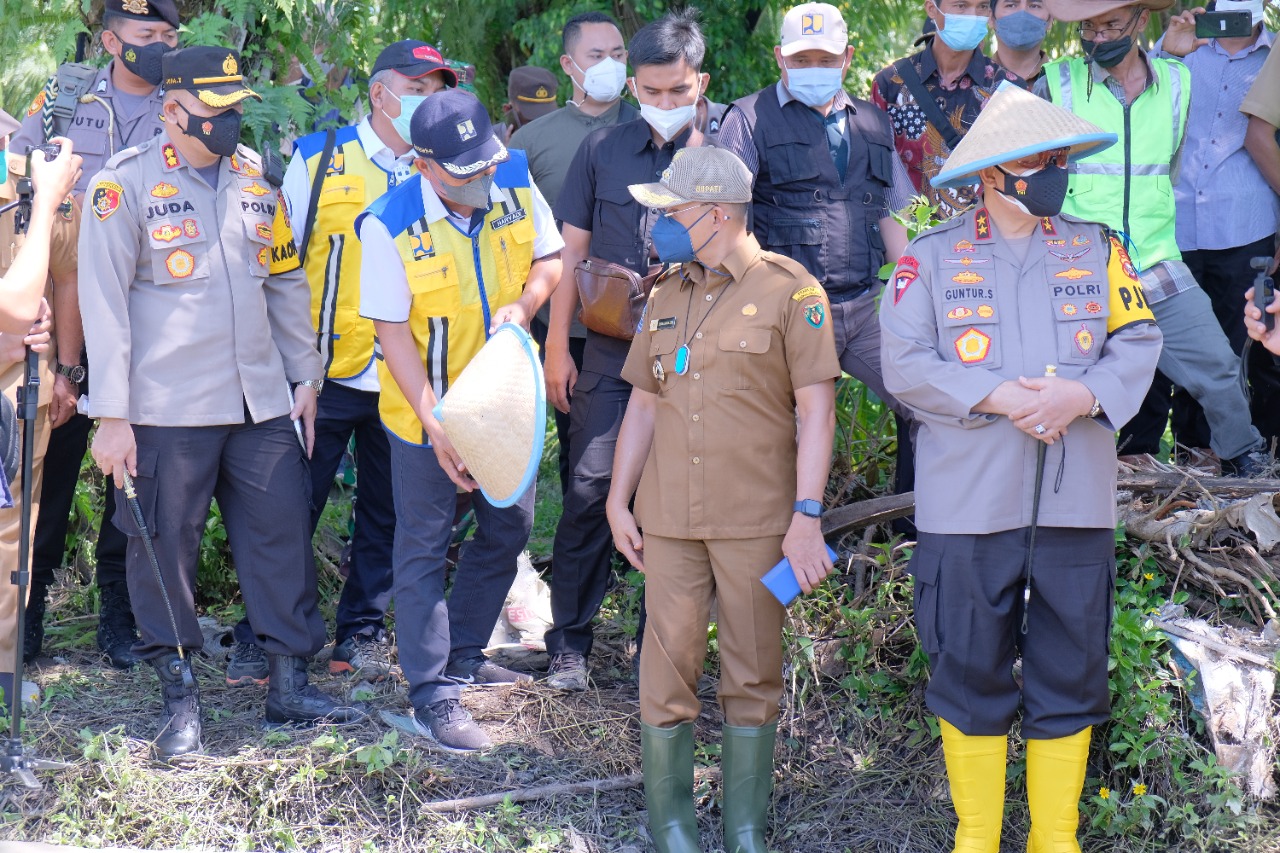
(1040, 430)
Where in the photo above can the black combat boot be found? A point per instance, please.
(291, 699)
(33, 626)
(179, 732)
(117, 631)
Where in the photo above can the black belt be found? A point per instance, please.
(851, 294)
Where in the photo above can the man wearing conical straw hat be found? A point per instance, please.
(1020, 338)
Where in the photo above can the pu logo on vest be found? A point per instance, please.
(338, 164)
(165, 208)
(420, 251)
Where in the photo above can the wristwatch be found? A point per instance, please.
(812, 509)
(74, 372)
(1096, 409)
(317, 384)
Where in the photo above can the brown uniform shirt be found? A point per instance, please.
(723, 460)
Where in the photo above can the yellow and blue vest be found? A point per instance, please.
(351, 183)
(457, 281)
(1127, 186)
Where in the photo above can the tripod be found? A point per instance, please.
(13, 759)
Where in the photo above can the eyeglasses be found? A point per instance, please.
(1090, 33)
(670, 214)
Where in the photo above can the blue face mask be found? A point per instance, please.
(963, 32)
(1021, 30)
(814, 87)
(408, 104)
(672, 240)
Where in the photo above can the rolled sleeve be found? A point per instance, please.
(1263, 99)
(914, 370)
(64, 249)
(576, 202)
(637, 369)
(384, 287)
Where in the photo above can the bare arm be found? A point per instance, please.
(635, 439)
(1260, 142)
(803, 545)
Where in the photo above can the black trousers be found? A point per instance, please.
(538, 329)
(260, 478)
(67, 445)
(366, 595)
(968, 610)
(583, 549)
(1225, 276)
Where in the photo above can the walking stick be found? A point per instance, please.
(1049, 371)
(131, 496)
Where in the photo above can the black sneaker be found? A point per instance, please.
(450, 725)
(483, 671)
(1251, 465)
(367, 657)
(247, 666)
(567, 671)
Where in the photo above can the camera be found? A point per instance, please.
(1264, 291)
(50, 150)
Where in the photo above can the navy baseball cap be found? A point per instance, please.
(453, 128)
(414, 59)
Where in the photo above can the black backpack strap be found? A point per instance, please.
(932, 112)
(72, 80)
(322, 166)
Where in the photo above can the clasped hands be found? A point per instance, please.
(1047, 402)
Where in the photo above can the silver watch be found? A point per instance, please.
(317, 384)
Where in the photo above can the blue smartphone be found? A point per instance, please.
(781, 580)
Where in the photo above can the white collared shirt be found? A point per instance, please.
(384, 291)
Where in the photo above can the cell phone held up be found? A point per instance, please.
(1224, 25)
(1264, 291)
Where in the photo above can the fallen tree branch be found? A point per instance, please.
(1218, 486)
(523, 795)
(856, 516)
(1216, 645)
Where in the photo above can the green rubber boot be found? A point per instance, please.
(746, 757)
(668, 787)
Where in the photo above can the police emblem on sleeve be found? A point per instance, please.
(972, 346)
(105, 199)
(815, 314)
(908, 271)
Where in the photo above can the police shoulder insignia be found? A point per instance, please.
(180, 263)
(105, 199)
(815, 314)
(170, 155)
(902, 278)
(1046, 224)
(972, 346)
(805, 292)
(164, 190)
(982, 225)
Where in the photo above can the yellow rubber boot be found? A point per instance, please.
(1055, 778)
(975, 769)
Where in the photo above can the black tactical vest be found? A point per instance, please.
(800, 208)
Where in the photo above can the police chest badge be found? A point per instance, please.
(1084, 340)
(972, 346)
(105, 199)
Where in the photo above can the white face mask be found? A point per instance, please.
(603, 81)
(668, 123)
(1255, 7)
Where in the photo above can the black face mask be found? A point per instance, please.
(1040, 193)
(1107, 54)
(220, 133)
(144, 61)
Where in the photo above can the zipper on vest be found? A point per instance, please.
(1128, 149)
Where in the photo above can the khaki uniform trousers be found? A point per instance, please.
(11, 519)
(682, 578)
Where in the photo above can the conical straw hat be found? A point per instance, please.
(496, 415)
(1016, 124)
